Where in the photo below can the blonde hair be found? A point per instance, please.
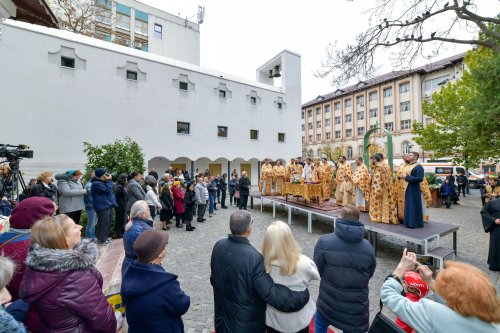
(468, 291)
(48, 233)
(43, 175)
(280, 245)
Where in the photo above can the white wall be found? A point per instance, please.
(55, 109)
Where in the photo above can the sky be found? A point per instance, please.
(237, 37)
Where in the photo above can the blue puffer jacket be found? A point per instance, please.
(138, 227)
(447, 190)
(346, 262)
(102, 194)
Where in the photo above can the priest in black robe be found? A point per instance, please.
(491, 223)
(414, 216)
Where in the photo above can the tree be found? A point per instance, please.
(332, 152)
(466, 113)
(121, 156)
(419, 28)
(78, 16)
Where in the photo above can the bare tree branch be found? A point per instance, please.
(405, 31)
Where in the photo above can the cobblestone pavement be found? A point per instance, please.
(189, 252)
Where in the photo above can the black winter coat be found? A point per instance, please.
(40, 190)
(346, 262)
(242, 288)
(244, 184)
(189, 201)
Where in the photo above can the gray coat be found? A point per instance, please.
(135, 193)
(201, 193)
(70, 194)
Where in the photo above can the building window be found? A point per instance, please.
(349, 152)
(348, 118)
(373, 126)
(406, 124)
(328, 135)
(388, 109)
(404, 87)
(348, 132)
(373, 96)
(310, 126)
(123, 21)
(336, 106)
(406, 147)
(222, 131)
(254, 134)
(338, 120)
(318, 137)
(373, 113)
(360, 100)
(303, 127)
(183, 128)
(281, 137)
(360, 115)
(318, 111)
(103, 15)
(328, 122)
(318, 124)
(361, 151)
(183, 85)
(141, 27)
(361, 131)
(433, 84)
(67, 62)
(389, 126)
(387, 92)
(348, 103)
(310, 138)
(303, 139)
(280, 105)
(222, 93)
(309, 113)
(158, 31)
(302, 115)
(253, 100)
(132, 75)
(327, 108)
(404, 106)
(337, 134)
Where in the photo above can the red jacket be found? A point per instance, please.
(178, 194)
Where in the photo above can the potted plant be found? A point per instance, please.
(434, 186)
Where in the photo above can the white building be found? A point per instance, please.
(59, 89)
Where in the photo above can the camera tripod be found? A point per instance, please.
(15, 177)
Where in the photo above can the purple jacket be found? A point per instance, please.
(66, 290)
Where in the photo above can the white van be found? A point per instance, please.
(444, 169)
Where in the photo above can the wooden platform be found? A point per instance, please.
(431, 232)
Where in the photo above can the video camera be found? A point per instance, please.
(13, 152)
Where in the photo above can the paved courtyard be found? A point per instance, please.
(189, 252)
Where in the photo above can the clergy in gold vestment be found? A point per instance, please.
(346, 191)
(382, 203)
(289, 170)
(266, 178)
(279, 177)
(343, 169)
(361, 181)
(325, 175)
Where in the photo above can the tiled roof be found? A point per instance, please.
(391, 76)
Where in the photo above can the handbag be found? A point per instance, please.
(383, 324)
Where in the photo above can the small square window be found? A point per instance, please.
(254, 134)
(131, 75)
(309, 113)
(281, 137)
(253, 100)
(318, 111)
(158, 31)
(348, 118)
(328, 135)
(348, 132)
(303, 127)
(337, 134)
(302, 115)
(222, 93)
(67, 62)
(280, 105)
(327, 109)
(183, 128)
(183, 85)
(222, 131)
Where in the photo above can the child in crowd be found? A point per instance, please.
(415, 289)
(447, 193)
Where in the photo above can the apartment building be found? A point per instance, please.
(393, 101)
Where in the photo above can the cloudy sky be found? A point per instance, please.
(239, 36)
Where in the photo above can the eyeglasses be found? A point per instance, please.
(251, 222)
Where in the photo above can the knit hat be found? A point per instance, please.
(71, 173)
(30, 210)
(99, 172)
(149, 245)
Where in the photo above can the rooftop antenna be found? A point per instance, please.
(200, 16)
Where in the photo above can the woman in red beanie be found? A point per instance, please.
(16, 242)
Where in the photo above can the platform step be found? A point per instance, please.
(441, 252)
(109, 264)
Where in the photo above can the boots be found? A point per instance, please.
(189, 227)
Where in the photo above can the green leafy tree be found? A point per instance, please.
(121, 156)
(466, 113)
(333, 152)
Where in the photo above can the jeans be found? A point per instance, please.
(104, 218)
(223, 199)
(91, 222)
(201, 211)
(320, 324)
(242, 201)
(212, 204)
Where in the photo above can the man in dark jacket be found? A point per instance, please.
(135, 191)
(462, 183)
(241, 285)
(103, 199)
(223, 190)
(244, 184)
(346, 262)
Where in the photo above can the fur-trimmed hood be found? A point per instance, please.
(81, 257)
